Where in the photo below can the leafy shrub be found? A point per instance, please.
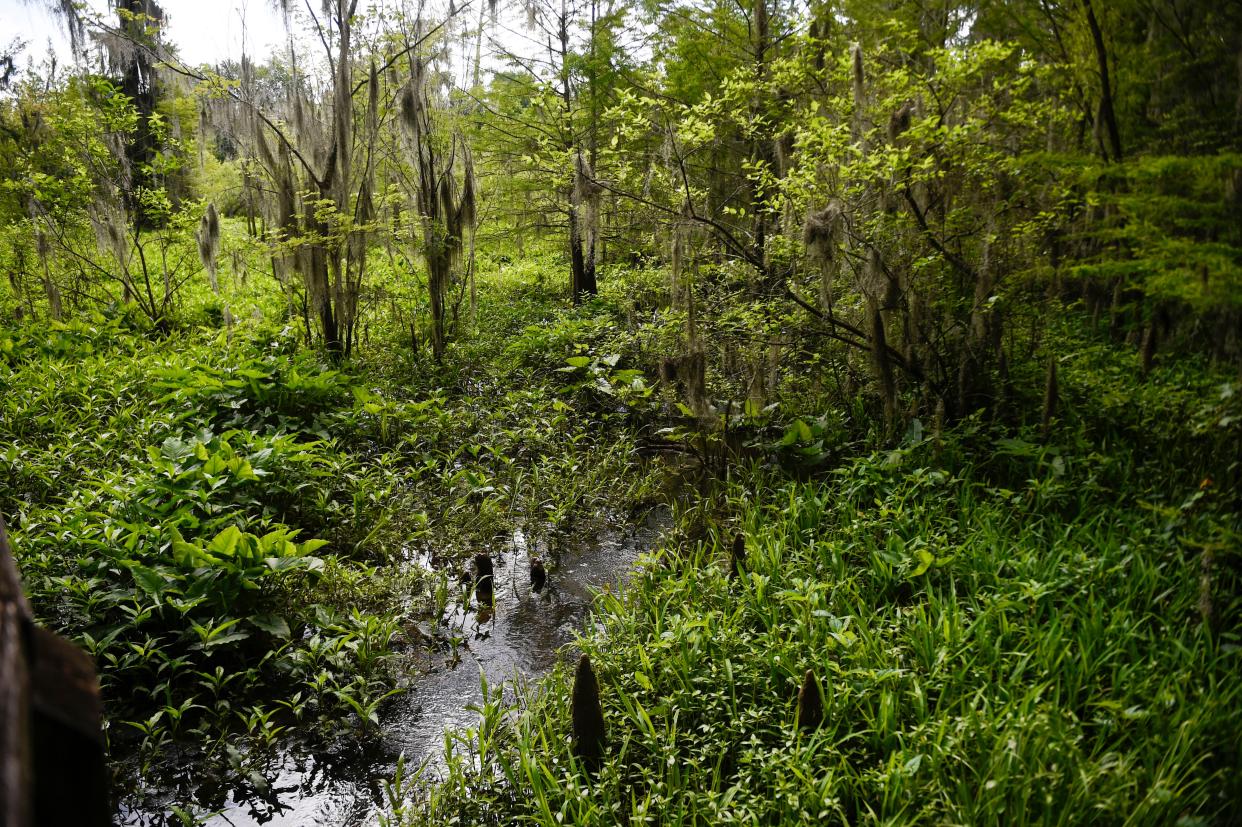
(165, 506)
(273, 390)
(541, 346)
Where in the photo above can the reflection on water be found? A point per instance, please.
(520, 638)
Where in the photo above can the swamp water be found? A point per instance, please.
(521, 640)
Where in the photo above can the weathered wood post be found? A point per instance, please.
(15, 805)
(52, 765)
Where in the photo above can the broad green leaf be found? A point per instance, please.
(221, 640)
(272, 624)
(149, 580)
(225, 543)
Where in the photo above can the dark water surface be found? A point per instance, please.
(520, 640)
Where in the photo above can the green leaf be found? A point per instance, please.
(184, 554)
(220, 640)
(311, 546)
(286, 563)
(149, 580)
(272, 624)
(225, 543)
(578, 361)
(926, 558)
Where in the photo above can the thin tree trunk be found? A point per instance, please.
(761, 147)
(1106, 114)
(578, 275)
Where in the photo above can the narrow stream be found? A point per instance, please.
(520, 640)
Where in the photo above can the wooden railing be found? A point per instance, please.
(52, 765)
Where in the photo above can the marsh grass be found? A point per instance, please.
(993, 648)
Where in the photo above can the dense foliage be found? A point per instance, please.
(1004, 629)
(936, 305)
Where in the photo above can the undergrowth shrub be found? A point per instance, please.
(174, 510)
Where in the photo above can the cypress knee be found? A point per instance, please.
(538, 575)
(810, 704)
(483, 587)
(738, 556)
(588, 716)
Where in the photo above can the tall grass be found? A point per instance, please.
(992, 649)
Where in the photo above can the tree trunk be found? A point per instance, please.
(1107, 116)
(761, 146)
(578, 270)
(53, 294)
